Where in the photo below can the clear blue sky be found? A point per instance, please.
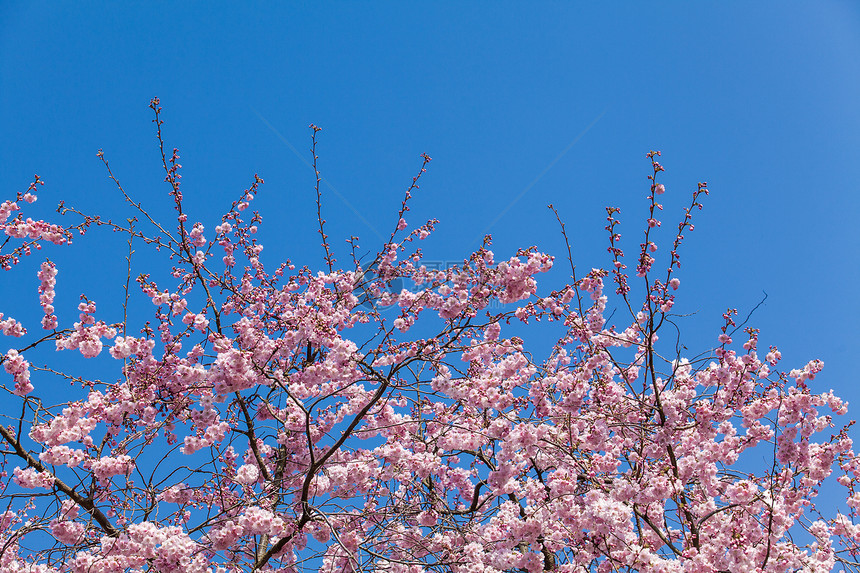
(758, 99)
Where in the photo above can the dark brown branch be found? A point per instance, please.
(85, 502)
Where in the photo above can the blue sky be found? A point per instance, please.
(519, 104)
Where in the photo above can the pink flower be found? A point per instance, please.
(247, 474)
(47, 275)
(11, 327)
(20, 371)
(87, 333)
(258, 521)
(106, 467)
(31, 478)
(62, 455)
(127, 346)
(179, 493)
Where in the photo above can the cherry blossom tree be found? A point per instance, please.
(283, 419)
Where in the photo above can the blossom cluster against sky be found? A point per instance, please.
(519, 104)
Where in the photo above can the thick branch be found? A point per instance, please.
(85, 502)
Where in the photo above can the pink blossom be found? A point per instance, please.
(247, 474)
(258, 521)
(62, 455)
(71, 425)
(196, 235)
(47, 275)
(178, 493)
(87, 333)
(127, 346)
(20, 371)
(64, 528)
(11, 327)
(31, 478)
(106, 467)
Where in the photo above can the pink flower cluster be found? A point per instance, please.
(6, 210)
(64, 528)
(196, 235)
(197, 321)
(48, 276)
(11, 327)
(20, 371)
(87, 334)
(34, 230)
(20, 228)
(62, 455)
(70, 426)
(123, 347)
(213, 434)
(233, 372)
(515, 277)
(258, 521)
(178, 493)
(247, 474)
(31, 478)
(108, 466)
(29, 231)
(225, 535)
(145, 545)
